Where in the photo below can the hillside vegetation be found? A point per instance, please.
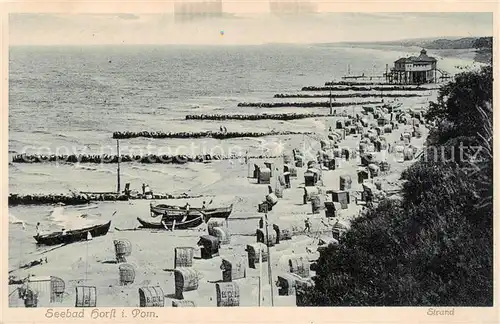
(461, 43)
(482, 45)
(438, 43)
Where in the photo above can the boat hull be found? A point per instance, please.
(73, 235)
(178, 211)
(188, 223)
(177, 214)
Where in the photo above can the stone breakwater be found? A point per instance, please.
(81, 198)
(350, 95)
(45, 199)
(350, 83)
(216, 135)
(417, 88)
(146, 159)
(287, 116)
(305, 104)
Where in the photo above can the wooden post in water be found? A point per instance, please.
(269, 262)
(331, 108)
(118, 167)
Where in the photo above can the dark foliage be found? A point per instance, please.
(456, 110)
(462, 43)
(483, 42)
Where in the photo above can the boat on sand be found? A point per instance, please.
(171, 210)
(71, 236)
(189, 222)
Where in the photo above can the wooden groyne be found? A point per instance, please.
(47, 199)
(363, 77)
(350, 95)
(305, 104)
(82, 198)
(363, 83)
(113, 159)
(207, 134)
(286, 116)
(332, 88)
(350, 83)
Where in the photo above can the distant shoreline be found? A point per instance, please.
(477, 49)
(471, 54)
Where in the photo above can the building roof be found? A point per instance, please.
(422, 58)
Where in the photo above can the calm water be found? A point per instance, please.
(98, 89)
(70, 100)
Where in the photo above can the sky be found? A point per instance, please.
(235, 27)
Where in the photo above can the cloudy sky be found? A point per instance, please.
(240, 28)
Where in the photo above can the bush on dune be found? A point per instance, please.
(461, 103)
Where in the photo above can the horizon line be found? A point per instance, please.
(373, 42)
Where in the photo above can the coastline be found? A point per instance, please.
(466, 54)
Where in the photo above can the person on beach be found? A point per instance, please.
(307, 225)
(126, 191)
(221, 129)
(148, 192)
(203, 207)
(187, 207)
(143, 189)
(38, 229)
(33, 263)
(64, 231)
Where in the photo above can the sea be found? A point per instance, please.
(70, 99)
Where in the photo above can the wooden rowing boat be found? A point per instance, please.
(179, 215)
(171, 210)
(190, 222)
(71, 236)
